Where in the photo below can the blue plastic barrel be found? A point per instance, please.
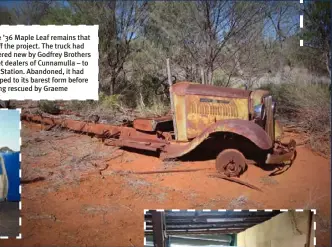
(12, 164)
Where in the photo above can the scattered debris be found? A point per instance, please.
(170, 163)
(238, 202)
(41, 216)
(236, 181)
(137, 183)
(97, 208)
(267, 180)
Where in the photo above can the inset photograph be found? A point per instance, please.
(229, 228)
(9, 173)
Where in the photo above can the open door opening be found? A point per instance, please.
(230, 228)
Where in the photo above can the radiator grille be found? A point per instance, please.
(215, 109)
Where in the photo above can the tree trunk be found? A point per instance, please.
(328, 62)
(238, 65)
(112, 50)
(210, 73)
(202, 76)
(112, 84)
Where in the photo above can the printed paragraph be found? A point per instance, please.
(49, 62)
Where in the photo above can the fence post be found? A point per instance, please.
(171, 98)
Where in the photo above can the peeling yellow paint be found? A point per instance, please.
(202, 114)
(180, 116)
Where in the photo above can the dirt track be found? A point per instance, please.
(77, 205)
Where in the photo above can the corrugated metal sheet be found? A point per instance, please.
(199, 222)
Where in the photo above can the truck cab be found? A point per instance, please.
(200, 111)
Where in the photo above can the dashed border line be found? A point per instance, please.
(301, 21)
(234, 210)
(301, 24)
(20, 175)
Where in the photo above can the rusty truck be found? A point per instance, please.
(241, 123)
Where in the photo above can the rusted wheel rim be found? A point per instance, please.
(231, 162)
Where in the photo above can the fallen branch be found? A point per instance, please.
(40, 217)
(236, 181)
(29, 181)
(100, 170)
(103, 169)
(158, 172)
(170, 171)
(304, 142)
(50, 127)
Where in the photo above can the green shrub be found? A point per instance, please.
(109, 101)
(306, 105)
(49, 107)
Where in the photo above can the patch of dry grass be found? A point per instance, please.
(238, 202)
(158, 108)
(314, 198)
(171, 163)
(307, 106)
(111, 110)
(61, 158)
(137, 183)
(324, 224)
(267, 180)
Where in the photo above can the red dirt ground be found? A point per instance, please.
(77, 206)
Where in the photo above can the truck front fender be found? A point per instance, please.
(245, 128)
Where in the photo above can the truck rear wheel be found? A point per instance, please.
(231, 162)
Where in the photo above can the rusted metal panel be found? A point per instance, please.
(189, 88)
(279, 158)
(282, 153)
(102, 130)
(278, 130)
(198, 106)
(144, 124)
(150, 124)
(138, 144)
(243, 128)
(181, 117)
(86, 127)
(130, 137)
(115, 135)
(205, 111)
(269, 123)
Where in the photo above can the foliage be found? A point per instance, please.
(109, 101)
(317, 33)
(6, 17)
(242, 39)
(225, 43)
(49, 107)
(318, 23)
(306, 105)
